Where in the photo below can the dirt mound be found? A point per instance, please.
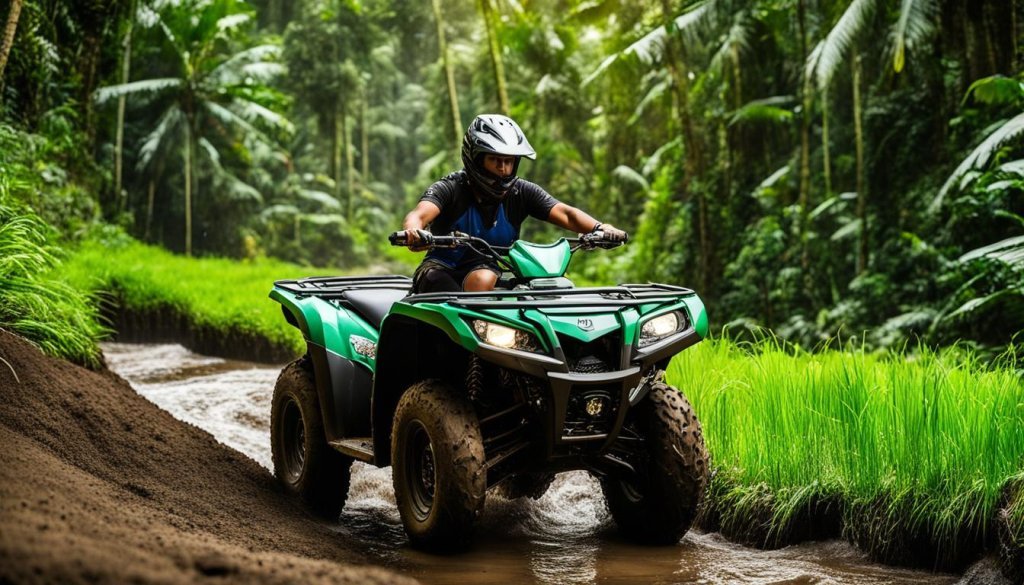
(99, 485)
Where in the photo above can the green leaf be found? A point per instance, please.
(996, 90)
(980, 156)
(105, 94)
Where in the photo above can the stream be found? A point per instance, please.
(565, 537)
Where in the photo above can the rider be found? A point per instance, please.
(486, 200)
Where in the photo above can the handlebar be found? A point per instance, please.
(589, 241)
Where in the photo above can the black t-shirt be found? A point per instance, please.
(453, 196)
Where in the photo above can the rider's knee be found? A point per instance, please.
(480, 280)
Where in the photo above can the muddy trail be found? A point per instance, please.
(97, 484)
(565, 537)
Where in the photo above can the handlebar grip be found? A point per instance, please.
(398, 238)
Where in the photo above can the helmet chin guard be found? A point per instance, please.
(499, 135)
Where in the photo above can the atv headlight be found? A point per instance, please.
(660, 327)
(505, 337)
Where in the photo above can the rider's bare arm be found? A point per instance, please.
(581, 222)
(571, 218)
(419, 218)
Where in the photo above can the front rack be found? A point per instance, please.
(332, 287)
(617, 296)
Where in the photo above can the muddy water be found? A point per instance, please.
(566, 537)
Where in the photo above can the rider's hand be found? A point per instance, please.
(613, 234)
(418, 240)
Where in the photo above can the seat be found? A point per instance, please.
(373, 304)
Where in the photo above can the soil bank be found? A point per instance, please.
(99, 485)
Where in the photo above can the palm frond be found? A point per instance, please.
(996, 90)
(231, 119)
(653, 94)
(1009, 251)
(170, 121)
(237, 190)
(105, 94)
(253, 112)
(212, 154)
(629, 175)
(252, 62)
(232, 21)
(980, 156)
(654, 161)
(320, 198)
(918, 21)
(737, 39)
(649, 48)
(388, 130)
(769, 110)
(277, 210)
(839, 40)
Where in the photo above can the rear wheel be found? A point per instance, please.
(437, 456)
(303, 461)
(658, 504)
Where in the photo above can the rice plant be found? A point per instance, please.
(225, 295)
(34, 300)
(925, 441)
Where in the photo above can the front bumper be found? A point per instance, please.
(573, 428)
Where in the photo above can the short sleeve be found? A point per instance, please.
(441, 194)
(536, 201)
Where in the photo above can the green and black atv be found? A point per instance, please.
(465, 392)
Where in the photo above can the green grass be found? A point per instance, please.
(933, 436)
(222, 294)
(35, 302)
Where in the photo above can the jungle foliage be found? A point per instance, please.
(821, 168)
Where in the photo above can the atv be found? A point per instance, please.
(467, 392)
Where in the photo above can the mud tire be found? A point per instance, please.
(437, 456)
(658, 504)
(303, 461)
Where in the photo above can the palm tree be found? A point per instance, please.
(210, 101)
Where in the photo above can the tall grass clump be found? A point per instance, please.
(221, 297)
(913, 450)
(35, 302)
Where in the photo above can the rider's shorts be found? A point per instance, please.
(434, 276)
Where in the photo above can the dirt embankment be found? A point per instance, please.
(99, 485)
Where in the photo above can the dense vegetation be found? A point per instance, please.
(819, 168)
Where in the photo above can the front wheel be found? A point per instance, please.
(303, 461)
(658, 504)
(437, 455)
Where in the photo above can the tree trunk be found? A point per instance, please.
(805, 150)
(149, 209)
(862, 196)
(826, 158)
(89, 68)
(1013, 35)
(350, 184)
(337, 137)
(364, 135)
(188, 191)
(487, 11)
(449, 72)
(126, 60)
(9, 32)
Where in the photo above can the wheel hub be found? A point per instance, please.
(294, 436)
(421, 473)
